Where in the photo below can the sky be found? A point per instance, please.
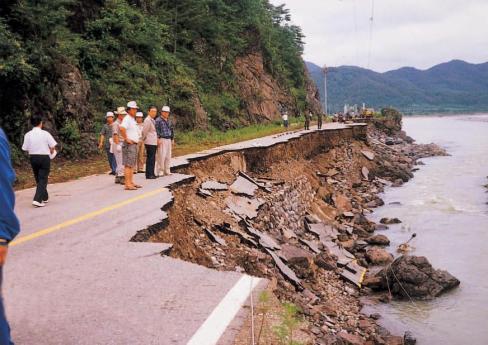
(416, 33)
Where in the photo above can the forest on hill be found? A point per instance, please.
(217, 63)
(452, 87)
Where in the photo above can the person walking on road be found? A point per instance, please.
(130, 132)
(150, 139)
(106, 140)
(40, 145)
(319, 120)
(9, 224)
(307, 122)
(140, 144)
(165, 131)
(117, 142)
(285, 119)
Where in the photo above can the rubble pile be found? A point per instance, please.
(302, 224)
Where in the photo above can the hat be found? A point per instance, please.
(132, 105)
(121, 111)
(109, 114)
(139, 114)
(166, 109)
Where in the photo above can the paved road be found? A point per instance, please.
(73, 277)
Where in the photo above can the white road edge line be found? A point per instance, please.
(215, 325)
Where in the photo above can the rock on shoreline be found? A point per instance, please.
(414, 277)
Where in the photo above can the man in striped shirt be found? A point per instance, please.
(164, 129)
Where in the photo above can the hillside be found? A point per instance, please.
(218, 64)
(454, 86)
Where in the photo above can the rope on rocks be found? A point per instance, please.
(401, 285)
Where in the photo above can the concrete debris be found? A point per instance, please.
(243, 207)
(365, 173)
(204, 193)
(368, 154)
(264, 239)
(253, 181)
(323, 231)
(242, 186)
(214, 237)
(228, 229)
(312, 245)
(285, 270)
(214, 185)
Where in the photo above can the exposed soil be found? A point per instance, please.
(330, 178)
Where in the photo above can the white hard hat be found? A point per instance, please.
(166, 109)
(139, 114)
(132, 105)
(109, 114)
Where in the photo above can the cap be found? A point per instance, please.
(166, 109)
(109, 114)
(121, 111)
(139, 114)
(132, 105)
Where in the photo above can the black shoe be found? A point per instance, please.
(151, 178)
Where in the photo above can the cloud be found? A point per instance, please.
(414, 33)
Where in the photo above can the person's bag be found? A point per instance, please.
(119, 148)
(111, 141)
(53, 154)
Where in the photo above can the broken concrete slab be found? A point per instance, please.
(253, 181)
(214, 237)
(322, 231)
(285, 270)
(312, 245)
(204, 193)
(289, 252)
(368, 154)
(243, 186)
(243, 207)
(228, 229)
(264, 239)
(214, 185)
(365, 173)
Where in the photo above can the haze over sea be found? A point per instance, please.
(446, 205)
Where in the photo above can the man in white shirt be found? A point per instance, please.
(130, 132)
(117, 142)
(40, 145)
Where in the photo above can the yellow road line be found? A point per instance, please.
(84, 217)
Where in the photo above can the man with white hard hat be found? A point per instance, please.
(130, 133)
(117, 141)
(106, 141)
(140, 144)
(165, 131)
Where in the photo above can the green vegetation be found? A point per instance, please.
(453, 87)
(153, 51)
(290, 322)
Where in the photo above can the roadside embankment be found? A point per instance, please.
(296, 212)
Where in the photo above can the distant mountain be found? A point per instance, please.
(454, 86)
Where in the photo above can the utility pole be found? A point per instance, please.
(326, 110)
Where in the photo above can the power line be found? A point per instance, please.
(371, 22)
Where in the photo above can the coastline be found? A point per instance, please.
(315, 194)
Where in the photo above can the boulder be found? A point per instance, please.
(414, 276)
(380, 240)
(350, 339)
(390, 221)
(326, 261)
(378, 256)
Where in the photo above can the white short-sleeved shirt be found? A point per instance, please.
(285, 117)
(38, 142)
(131, 128)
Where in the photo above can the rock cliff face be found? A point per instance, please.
(262, 95)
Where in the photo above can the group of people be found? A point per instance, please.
(135, 144)
(308, 120)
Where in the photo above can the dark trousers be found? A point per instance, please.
(307, 125)
(4, 327)
(111, 160)
(319, 122)
(41, 165)
(150, 160)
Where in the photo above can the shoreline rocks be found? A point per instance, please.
(414, 277)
